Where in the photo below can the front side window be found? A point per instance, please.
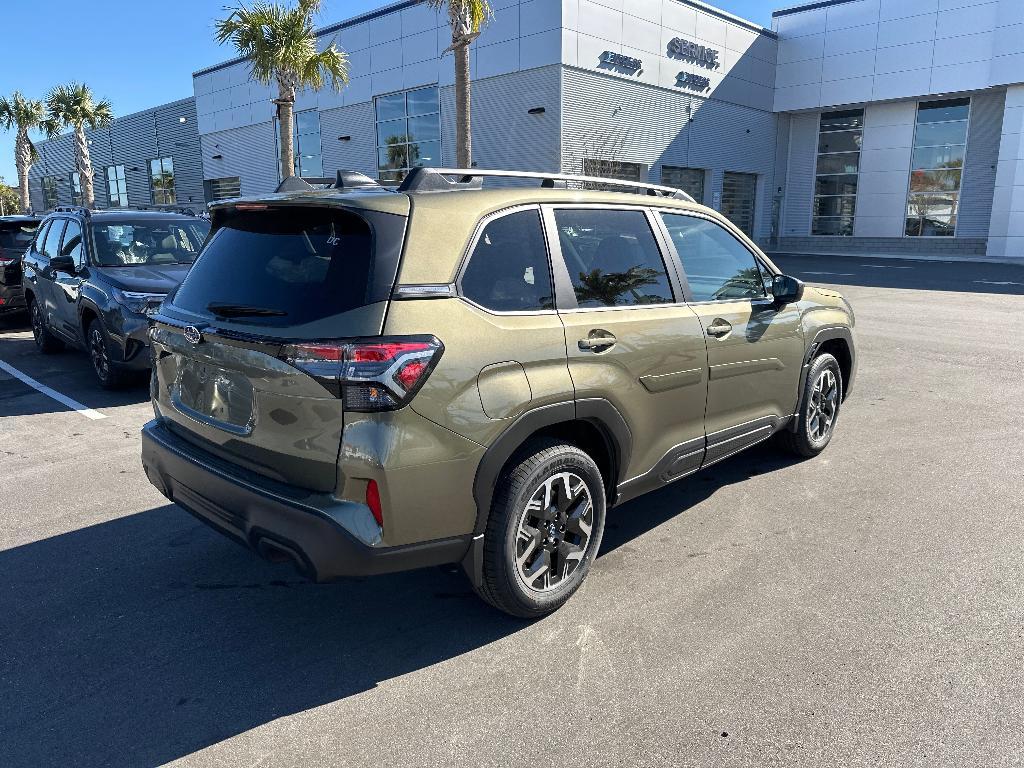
(940, 146)
(508, 270)
(161, 180)
(835, 183)
(51, 244)
(718, 267)
(612, 258)
(130, 243)
(408, 132)
(117, 188)
(76, 188)
(50, 197)
(72, 243)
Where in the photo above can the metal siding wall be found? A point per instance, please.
(803, 157)
(130, 141)
(249, 153)
(607, 118)
(357, 154)
(979, 177)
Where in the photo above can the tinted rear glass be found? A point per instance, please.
(18, 237)
(289, 265)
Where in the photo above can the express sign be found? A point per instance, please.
(699, 54)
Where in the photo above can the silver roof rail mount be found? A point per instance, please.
(450, 179)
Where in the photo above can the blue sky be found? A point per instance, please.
(141, 53)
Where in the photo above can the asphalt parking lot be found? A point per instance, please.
(863, 608)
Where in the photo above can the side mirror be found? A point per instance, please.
(787, 290)
(63, 264)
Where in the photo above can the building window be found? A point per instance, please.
(117, 189)
(835, 181)
(613, 169)
(223, 189)
(161, 181)
(940, 144)
(690, 180)
(408, 132)
(76, 188)
(50, 198)
(309, 161)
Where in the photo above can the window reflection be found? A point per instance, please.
(940, 145)
(408, 132)
(717, 266)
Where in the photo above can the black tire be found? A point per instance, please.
(552, 468)
(98, 344)
(811, 436)
(46, 342)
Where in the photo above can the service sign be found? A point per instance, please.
(680, 48)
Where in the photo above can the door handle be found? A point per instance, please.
(719, 328)
(597, 341)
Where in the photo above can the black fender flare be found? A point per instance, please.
(597, 411)
(822, 335)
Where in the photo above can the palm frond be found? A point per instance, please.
(21, 113)
(71, 105)
(471, 15)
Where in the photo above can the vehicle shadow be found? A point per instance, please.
(149, 637)
(69, 373)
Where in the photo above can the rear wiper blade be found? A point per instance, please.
(241, 310)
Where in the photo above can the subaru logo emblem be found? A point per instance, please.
(193, 335)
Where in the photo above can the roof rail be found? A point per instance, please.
(436, 180)
(81, 209)
(343, 180)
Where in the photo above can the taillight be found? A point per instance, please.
(373, 502)
(382, 375)
(5, 262)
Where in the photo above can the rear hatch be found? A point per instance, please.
(248, 350)
(15, 237)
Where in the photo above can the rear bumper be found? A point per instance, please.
(307, 528)
(12, 299)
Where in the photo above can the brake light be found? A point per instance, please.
(369, 376)
(373, 502)
(7, 262)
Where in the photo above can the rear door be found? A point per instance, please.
(247, 349)
(630, 337)
(755, 347)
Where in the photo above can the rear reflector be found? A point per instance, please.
(373, 502)
(369, 376)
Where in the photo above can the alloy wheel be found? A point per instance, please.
(554, 532)
(823, 405)
(98, 353)
(37, 323)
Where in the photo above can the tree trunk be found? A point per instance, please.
(286, 123)
(23, 160)
(83, 164)
(463, 108)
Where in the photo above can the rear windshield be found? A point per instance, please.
(17, 236)
(131, 243)
(289, 266)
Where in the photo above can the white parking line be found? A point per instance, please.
(996, 282)
(74, 405)
(832, 274)
(884, 266)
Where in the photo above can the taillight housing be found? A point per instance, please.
(382, 374)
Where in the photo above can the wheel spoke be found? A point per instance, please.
(540, 569)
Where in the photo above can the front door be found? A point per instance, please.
(630, 338)
(66, 286)
(755, 346)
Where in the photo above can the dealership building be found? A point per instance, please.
(851, 126)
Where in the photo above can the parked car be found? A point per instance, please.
(16, 233)
(93, 278)
(361, 381)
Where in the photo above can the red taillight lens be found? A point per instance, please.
(373, 502)
(370, 376)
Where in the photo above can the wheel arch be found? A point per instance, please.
(594, 425)
(838, 342)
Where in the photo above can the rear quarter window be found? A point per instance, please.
(294, 265)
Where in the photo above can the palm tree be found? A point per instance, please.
(72, 106)
(280, 44)
(24, 115)
(466, 17)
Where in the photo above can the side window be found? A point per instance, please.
(72, 244)
(717, 265)
(508, 270)
(612, 258)
(52, 242)
(40, 238)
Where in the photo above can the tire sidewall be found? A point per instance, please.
(571, 460)
(821, 363)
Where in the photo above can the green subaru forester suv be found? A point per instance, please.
(361, 380)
